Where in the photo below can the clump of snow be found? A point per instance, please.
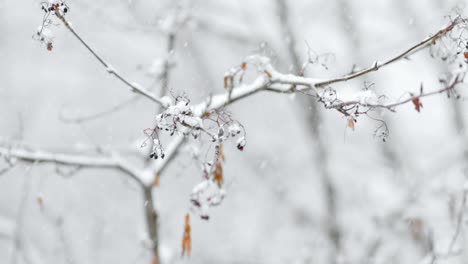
(137, 85)
(205, 195)
(166, 253)
(46, 32)
(234, 129)
(366, 97)
(166, 101)
(110, 69)
(168, 23)
(241, 143)
(147, 176)
(328, 97)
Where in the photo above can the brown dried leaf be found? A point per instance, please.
(417, 104)
(351, 123)
(218, 170)
(40, 202)
(220, 153)
(186, 240)
(243, 66)
(218, 173)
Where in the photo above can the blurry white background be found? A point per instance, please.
(293, 196)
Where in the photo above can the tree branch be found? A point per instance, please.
(412, 50)
(274, 81)
(113, 162)
(392, 106)
(274, 77)
(109, 68)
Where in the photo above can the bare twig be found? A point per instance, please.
(412, 50)
(108, 67)
(288, 83)
(104, 113)
(276, 77)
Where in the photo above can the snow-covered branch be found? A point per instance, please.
(274, 81)
(271, 80)
(369, 100)
(112, 161)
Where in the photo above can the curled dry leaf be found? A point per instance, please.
(218, 169)
(220, 153)
(218, 174)
(417, 104)
(243, 66)
(351, 123)
(186, 240)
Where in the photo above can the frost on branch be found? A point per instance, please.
(51, 8)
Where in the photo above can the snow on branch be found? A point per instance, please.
(273, 81)
(209, 118)
(369, 99)
(112, 162)
(181, 119)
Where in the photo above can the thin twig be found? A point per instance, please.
(104, 113)
(391, 106)
(109, 69)
(376, 66)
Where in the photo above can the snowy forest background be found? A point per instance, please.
(306, 189)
